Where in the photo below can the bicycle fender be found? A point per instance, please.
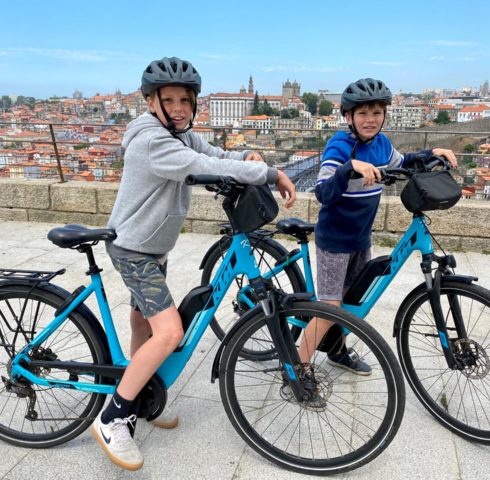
(445, 280)
(217, 359)
(63, 294)
(222, 242)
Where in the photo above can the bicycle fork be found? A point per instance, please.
(302, 386)
(434, 292)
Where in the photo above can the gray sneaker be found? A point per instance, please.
(115, 438)
(167, 419)
(350, 361)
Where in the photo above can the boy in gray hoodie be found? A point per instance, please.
(150, 209)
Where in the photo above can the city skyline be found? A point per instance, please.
(50, 48)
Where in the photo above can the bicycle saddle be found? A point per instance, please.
(72, 235)
(295, 226)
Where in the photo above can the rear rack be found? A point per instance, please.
(30, 276)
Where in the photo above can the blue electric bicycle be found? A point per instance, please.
(58, 363)
(442, 327)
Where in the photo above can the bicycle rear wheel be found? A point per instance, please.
(458, 399)
(35, 416)
(236, 302)
(360, 415)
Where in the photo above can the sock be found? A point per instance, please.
(118, 408)
(134, 409)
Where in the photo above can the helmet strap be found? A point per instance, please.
(170, 126)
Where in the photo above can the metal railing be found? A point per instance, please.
(27, 149)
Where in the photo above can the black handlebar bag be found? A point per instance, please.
(254, 207)
(430, 191)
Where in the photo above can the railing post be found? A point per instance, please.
(425, 140)
(55, 146)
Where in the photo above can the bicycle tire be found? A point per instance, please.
(62, 414)
(362, 414)
(267, 252)
(458, 399)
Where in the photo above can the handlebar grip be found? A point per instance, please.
(205, 179)
(354, 175)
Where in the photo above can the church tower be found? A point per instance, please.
(250, 85)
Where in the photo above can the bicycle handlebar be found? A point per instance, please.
(217, 180)
(421, 164)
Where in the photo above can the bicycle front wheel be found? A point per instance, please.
(359, 415)
(239, 297)
(459, 399)
(35, 416)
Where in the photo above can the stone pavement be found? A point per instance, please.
(205, 445)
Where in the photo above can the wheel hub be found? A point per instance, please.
(473, 358)
(317, 384)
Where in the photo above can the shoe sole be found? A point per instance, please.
(167, 425)
(120, 463)
(357, 372)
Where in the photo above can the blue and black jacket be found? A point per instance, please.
(348, 206)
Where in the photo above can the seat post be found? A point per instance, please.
(93, 267)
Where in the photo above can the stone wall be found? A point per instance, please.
(464, 227)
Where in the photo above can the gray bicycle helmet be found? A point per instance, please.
(167, 72)
(365, 90)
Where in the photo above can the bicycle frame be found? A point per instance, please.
(417, 237)
(239, 260)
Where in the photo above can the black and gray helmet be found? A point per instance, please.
(170, 72)
(365, 90)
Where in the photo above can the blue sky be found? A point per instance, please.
(56, 46)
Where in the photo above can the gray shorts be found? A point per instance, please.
(337, 271)
(145, 278)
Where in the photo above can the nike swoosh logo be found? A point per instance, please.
(116, 404)
(106, 440)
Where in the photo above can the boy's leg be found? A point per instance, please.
(140, 329)
(145, 278)
(331, 273)
(140, 333)
(314, 333)
(347, 358)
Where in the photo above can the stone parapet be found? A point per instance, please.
(466, 226)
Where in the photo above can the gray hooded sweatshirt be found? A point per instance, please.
(152, 201)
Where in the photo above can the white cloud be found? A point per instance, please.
(63, 54)
(301, 68)
(437, 58)
(453, 43)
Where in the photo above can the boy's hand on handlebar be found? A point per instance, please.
(369, 172)
(447, 154)
(255, 156)
(286, 188)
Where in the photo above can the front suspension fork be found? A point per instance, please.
(434, 291)
(283, 341)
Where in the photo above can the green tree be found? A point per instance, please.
(266, 108)
(442, 117)
(256, 107)
(311, 102)
(325, 107)
(6, 103)
(469, 148)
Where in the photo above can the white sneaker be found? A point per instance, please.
(167, 419)
(117, 442)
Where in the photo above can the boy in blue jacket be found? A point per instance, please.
(349, 206)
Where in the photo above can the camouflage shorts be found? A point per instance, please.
(145, 278)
